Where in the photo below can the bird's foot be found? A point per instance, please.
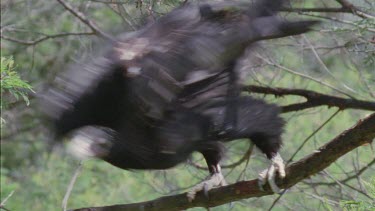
(270, 174)
(215, 180)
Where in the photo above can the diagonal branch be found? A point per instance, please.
(85, 20)
(313, 99)
(354, 9)
(360, 134)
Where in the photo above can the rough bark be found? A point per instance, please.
(360, 134)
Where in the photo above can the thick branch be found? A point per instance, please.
(360, 134)
(314, 99)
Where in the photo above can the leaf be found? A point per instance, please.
(12, 83)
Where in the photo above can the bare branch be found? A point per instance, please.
(85, 20)
(45, 37)
(71, 185)
(319, 81)
(317, 56)
(340, 21)
(323, 9)
(314, 99)
(121, 11)
(311, 135)
(355, 10)
(361, 171)
(244, 158)
(360, 134)
(2, 204)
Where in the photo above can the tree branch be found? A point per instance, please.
(360, 134)
(44, 37)
(361, 171)
(354, 9)
(338, 20)
(228, 166)
(314, 99)
(323, 9)
(85, 20)
(319, 81)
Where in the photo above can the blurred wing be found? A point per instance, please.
(193, 43)
(182, 55)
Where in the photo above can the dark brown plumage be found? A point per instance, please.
(171, 88)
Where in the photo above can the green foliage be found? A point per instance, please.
(7, 185)
(12, 83)
(362, 205)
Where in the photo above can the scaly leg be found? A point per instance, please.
(212, 154)
(215, 180)
(270, 173)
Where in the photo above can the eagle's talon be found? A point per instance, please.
(270, 174)
(216, 180)
(262, 179)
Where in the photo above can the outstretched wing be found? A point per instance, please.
(184, 53)
(193, 43)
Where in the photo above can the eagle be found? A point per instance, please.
(171, 88)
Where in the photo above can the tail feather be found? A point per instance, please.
(298, 27)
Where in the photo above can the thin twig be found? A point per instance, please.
(340, 21)
(71, 185)
(45, 37)
(5, 200)
(355, 10)
(319, 81)
(232, 165)
(312, 134)
(85, 20)
(361, 171)
(324, 65)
